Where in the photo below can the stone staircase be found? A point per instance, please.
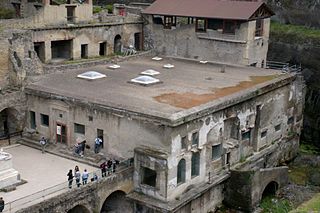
(64, 151)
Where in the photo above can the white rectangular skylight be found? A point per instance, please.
(91, 75)
(150, 72)
(157, 58)
(145, 80)
(168, 66)
(114, 66)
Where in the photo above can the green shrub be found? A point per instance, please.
(109, 7)
(97, 9)
(6, 13)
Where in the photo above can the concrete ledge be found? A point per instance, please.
(222, 39)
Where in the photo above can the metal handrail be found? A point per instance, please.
(286, 67)
(42, 195)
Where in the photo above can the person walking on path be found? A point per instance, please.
(76, 168)
(97, 143)
(85, 176)
(1, 204)
(70, 178)
(77, 175)
(103, 169)
(43, 144)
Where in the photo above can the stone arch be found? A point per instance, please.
(10, 121)
(117, 44)
(79, 209)
(270, 189)
(117, 202)
(181, 172)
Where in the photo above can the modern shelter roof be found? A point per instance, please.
(220, 9)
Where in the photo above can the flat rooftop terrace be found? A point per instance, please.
(188, 88)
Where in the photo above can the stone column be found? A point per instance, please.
(47, 51)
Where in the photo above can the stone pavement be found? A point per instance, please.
(41, 171)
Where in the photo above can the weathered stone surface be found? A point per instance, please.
(92, 196)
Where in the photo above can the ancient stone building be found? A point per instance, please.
(198, 120)
(225, 31)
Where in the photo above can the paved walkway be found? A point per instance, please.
(40, 170)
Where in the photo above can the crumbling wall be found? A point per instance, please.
(4, 61)
(24, 60)
(283, 105)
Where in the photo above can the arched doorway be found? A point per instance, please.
(9, 122)
(79, 209)
(117, 203)
(270, 189)
(117, 44)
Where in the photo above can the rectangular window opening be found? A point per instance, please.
(195, 138)
(184, 142)
(201, 25)
(277, 127)
(44, 120)
(216, 151)
(264, 134)
(79, 129)
(149, 177)
(259, 28)
(290, 120)
(246, 135)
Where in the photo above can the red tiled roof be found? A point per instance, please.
(222, 9)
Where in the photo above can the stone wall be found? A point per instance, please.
(92, 37)
(92, 196)
(248, 181)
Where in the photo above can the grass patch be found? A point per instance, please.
(298, 175)
(6, 13)
(294, 33)
(270, 204)
(312, 205)
(307, 148)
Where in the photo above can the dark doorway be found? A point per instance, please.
(8, 122)
(84, 50)
(39, 49)
(61, 49)
(117, 203)
(100, 135)
(103, 49)
(61, 133)
(17, 8)
(79, 209)
(117, 44)
(33, 123)
(70, 14)
(137, 41)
